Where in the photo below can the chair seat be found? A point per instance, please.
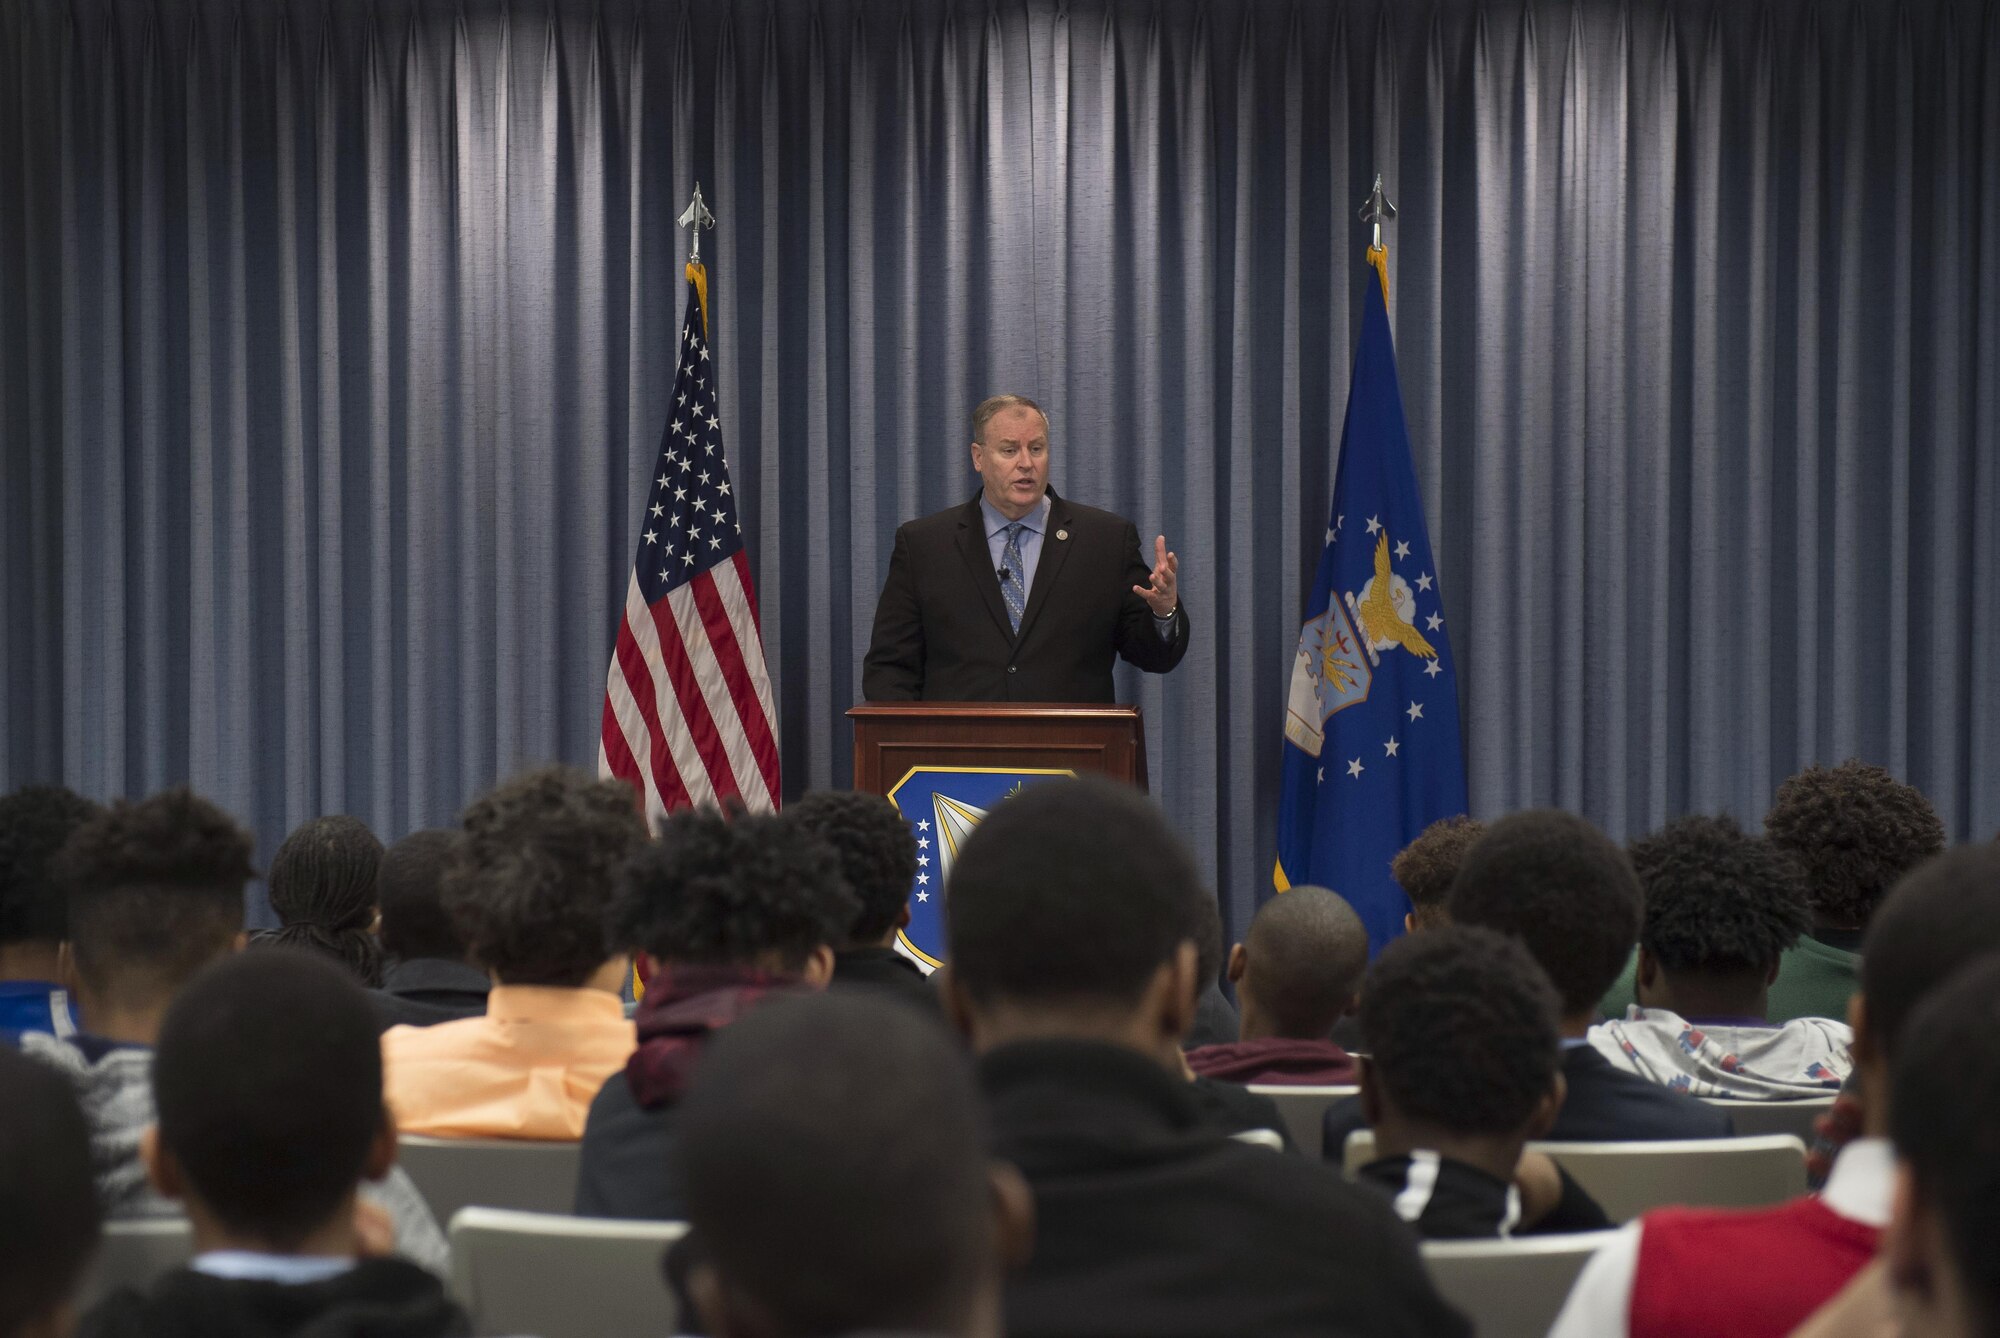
(1302, 1109)
(454, 1173)
(562, 1277)
(1510, 1288)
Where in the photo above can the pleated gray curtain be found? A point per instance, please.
(336, 339)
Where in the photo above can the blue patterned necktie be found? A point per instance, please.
(1014, 589)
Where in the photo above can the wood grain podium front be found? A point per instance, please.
(890, 738)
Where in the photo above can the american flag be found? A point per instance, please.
(688, 718)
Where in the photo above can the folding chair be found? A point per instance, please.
(1510, 1288)
(1775, 1117)
(134, 1253)
(454, 1173)
(1302, 1109)
(562, 1277)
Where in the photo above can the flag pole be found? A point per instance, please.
(694, 218)
(1373, 210)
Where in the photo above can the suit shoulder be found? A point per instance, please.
(1091, 517)
(937, 525)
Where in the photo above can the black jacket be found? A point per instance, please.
(887, 971)
(1604, 1105)
(630, 1162)
(1149, 1222)
(427, 990)
(377, 1298)
(941, 630)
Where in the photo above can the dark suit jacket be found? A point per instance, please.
(1605, 1104)
(941, 631)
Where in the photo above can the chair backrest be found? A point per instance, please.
(132, 1254)
(1510, 1288)
(454, 1173)
(1302, 1108)
(1775, 1117)
(562, 1277)
(1627, 1179)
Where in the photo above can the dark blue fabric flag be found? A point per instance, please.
(1372, 747)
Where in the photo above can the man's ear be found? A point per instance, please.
(957, 1003)
(1239, 962)
(1409, 922)
(1546, 1110)
(819, 967)
(903, 915)
(162, 1171)
(1371, 1090)
(381, 1149)
(1013, 1216)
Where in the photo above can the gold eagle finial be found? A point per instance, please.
(1380, 620)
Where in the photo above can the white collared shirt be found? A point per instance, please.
(251, 1266)
(1859, 1188)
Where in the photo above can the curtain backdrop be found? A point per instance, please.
(336, 340)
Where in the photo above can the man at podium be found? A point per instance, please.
(1019, 595)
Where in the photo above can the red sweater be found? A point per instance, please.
(1276, 1061)
(1742, 1273)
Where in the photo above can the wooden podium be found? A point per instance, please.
(890, 738)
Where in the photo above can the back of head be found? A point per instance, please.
(1307, 949)
(410, 888)
(878, 854)
(1425, 867)
(1854, 829)
(534, 874)
(1070, 891)
(836, 1167)
(756, 892)
(1941, 917)
(155, 893)
(322, 883)
(1719, 902)
(268, 1084)
(35, 821)
(49, 1214)
(1944, 1092)
(1564, 889)
(1462, 1030)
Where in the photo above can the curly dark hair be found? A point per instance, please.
(35, 820)
(1425, 867)
(323, 887)
(877, 850)
(529, 883)
(1719, 901)
(155, 889)
(720, 893)
(1564, 889)
(1462, 1031)
(1854, 829)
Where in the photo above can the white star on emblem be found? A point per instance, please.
(1322, 774)
(1433, 622)
(1424, 581)
(1416, 711)
(923, 896)
(1389, 748)
(923, 843)
(1433, 669)
(651, 537)
(1331, 535)
(923, 824)
(1338, 520)
(1402, 548)
(923, 878)
(924, 859)
(1355, 768)
(1374, 525)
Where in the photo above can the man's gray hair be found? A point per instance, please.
(993, 404)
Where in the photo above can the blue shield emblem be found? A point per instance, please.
(942, 806)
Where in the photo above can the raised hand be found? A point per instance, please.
(1162, 592)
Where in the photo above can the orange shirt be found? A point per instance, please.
(529, 1069)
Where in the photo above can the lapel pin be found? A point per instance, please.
(1062, 534)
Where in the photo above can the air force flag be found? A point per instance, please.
(1372, 750)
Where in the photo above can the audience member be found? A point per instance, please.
(1215, 1020)
(528, 885)
(1296, 974)
(1764, 1271)
(34, 822)
(1466, 1069)
(322, 885)
(878, 858)
(427, 977)
(1722, 908)
(1568, 893)
(48, 1209)
(1072, 968)
(265, 1140)
(1946, 1218)
(838, 1181)
(1425, 867)
(155, 894)
(722, 915)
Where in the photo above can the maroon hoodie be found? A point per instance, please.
(1276, 1061)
